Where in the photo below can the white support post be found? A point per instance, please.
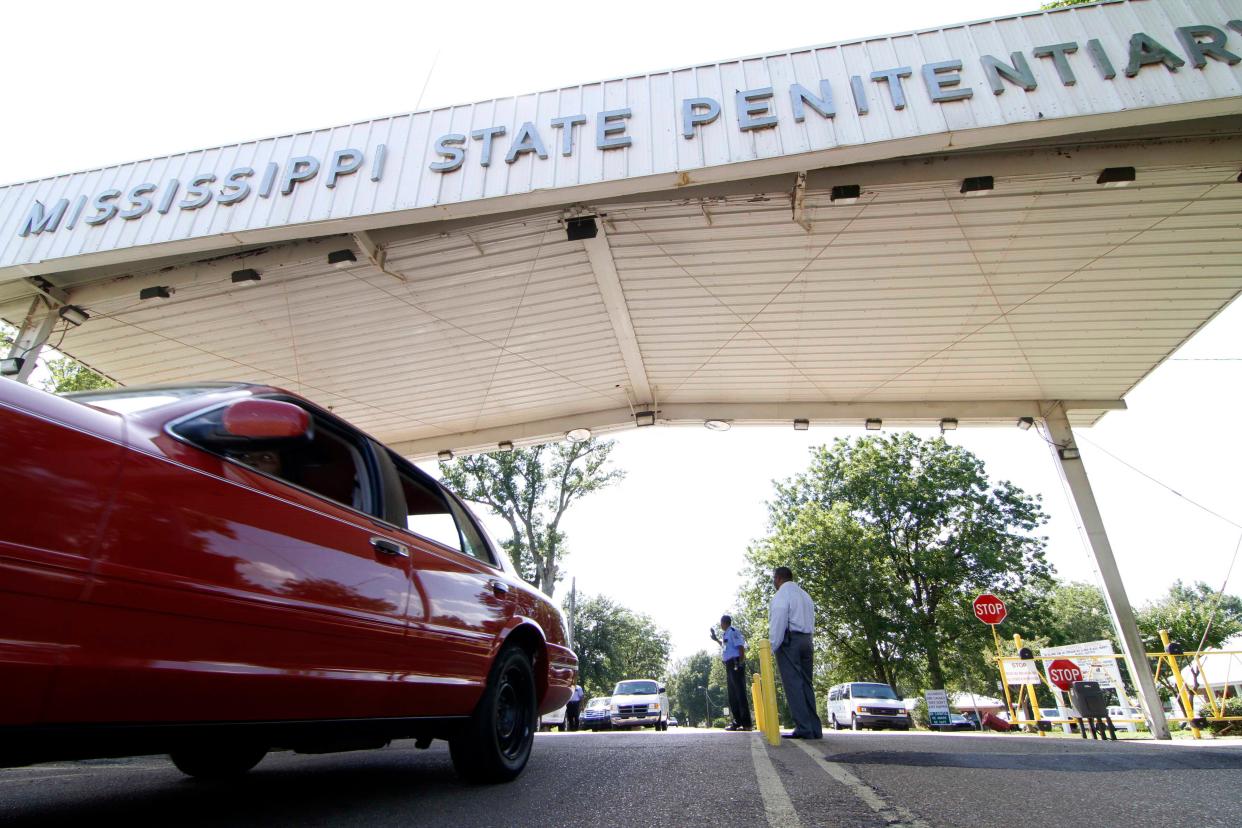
(33, 334)
(1068, 460)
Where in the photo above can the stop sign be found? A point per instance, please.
(1063, 673)
(989, 609)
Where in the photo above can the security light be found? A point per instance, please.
(577, 229)
(1025, 423)
(342, 258)
(157, 292)
(948, 424)
(802, 425)
(578, 435)
(874, 424)
(1116, 177)
(73, 315)
(845, 194)
(444, 456)
(977, 186)
(505, 445)
(249, 276)
(717, 425)
(11, 366)
(1070, 453)
(644, 418)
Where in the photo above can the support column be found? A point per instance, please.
(1068, 460)
(31, 337)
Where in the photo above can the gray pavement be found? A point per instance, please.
(677, 778)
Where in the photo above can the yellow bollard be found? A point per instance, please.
(767, 675)
(1181, 684)
(756, 695)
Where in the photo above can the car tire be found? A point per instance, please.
(854, 723)
(835, 724)
(496, 743)
(217, 760)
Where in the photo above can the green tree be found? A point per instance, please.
(1077, 613)
(1190, 614)
(70, 375)
(531, 489)
(1060, 4)
(893, 537)
(614, 643)
(685, 695)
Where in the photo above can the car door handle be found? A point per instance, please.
(499, 587)
(388, 547)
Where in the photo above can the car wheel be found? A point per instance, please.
(835, 724)
(495, 745)
(854, 723)
(217, 761)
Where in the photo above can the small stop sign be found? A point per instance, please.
(989, 609)
(1063, 673)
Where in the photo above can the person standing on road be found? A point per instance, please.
(791, 620)
(734, 656)
(573, 707)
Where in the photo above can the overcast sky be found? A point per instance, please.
(90, 84)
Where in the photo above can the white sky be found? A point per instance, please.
(89, 84)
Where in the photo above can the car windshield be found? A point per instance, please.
(133, 400)
(873, 691)
(636, 688)
(601, 701)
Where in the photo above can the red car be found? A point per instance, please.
(213, 571)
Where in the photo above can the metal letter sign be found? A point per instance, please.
(989, 609)
(937, 707)
(1063, 673)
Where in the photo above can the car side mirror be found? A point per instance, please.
(249, 425)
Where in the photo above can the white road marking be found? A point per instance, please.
(776, 804)
(895, 815)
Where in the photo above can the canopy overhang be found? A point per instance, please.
(823, 269)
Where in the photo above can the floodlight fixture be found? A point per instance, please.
(1116, 177)
(1069, 453)
(11, 366)
(248, 276)
(444, 455)
(644, 418)
(802, 425)
(583, 227)
(874, 424)
(342, 258)
(948, 424)
(1025, 423)
(978, 185)
(578, 435)
(73, 315)
(505, 445)
(845, 194)
(156, 292)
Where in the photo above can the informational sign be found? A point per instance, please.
(989, 609)
(1021, 671)
(1095, 659)
(1063, 673)
(937, 706)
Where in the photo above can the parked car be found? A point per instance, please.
(216, 570)
(554, 720)
(956, 722)
(639, 703)
(866, 704)
(1118, 712)
(672, 721)
(596, 714)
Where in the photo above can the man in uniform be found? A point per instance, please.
(791, 620)
(734, 655)
(573, 708)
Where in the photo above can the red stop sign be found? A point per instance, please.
(1063, 673)
(989, 609)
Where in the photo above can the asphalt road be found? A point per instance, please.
(678, 778)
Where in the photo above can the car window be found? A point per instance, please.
(874, 691)
(330, 464)
(437, 517)
(845, 692)
(636, 688)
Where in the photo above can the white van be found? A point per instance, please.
(639, 703)
(860, 704)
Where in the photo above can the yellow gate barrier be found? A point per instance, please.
(763, 687)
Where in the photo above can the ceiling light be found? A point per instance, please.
(73, 315)
(845, 194)
(1116, 177)
(342, 258)
(1025, 423)
(1069, 453)
(11, 366)
(578, 435)
(802, 425)
(249, 276)
(717, 425)
(505, 445)
(977, 186)
(444, 456)
(577, 229)
(874, 424)
(157, 292)
(948, 424)
(644, 418)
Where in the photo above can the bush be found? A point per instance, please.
(919, 713)
(1233, 707)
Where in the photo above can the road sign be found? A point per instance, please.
(989, 609)
(1095, 659)
(1020, 672)
(937, 707)
(1063, 673)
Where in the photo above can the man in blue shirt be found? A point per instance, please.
(734, 655)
